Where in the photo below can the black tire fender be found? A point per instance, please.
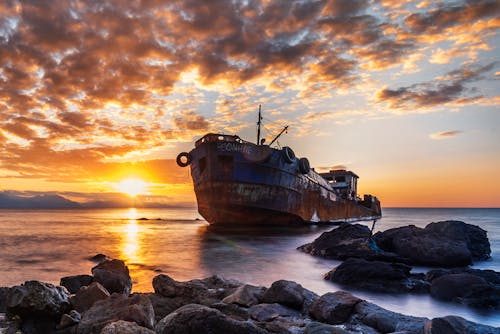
(288, 154)
(304, 165)
(183, 163)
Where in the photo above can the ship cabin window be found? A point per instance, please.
(340, 179)
(203, 164)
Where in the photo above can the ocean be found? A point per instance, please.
(46, 245)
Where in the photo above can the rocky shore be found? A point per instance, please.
(101, 303)
(384, 262)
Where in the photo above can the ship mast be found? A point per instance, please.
(258, 126)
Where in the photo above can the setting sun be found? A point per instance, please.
(132, 187)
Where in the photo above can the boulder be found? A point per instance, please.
(87, 296)
(457, 325)
(195, 319)
(378, 276)
(34, 298)
(466, 289)
(320, 328)
(269, 312)
(246, 295)
(442, 244)
(98, 258)
(163, 306)
(200, 291)
(333, 307)
(114, 276)
(491, 276)
(74, 283)
(385, 321)
(232, 310)
(289, 293)
(475, 237)
(348, 241)
(125, 327)
(136, 308)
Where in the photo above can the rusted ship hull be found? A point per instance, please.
(238, 182)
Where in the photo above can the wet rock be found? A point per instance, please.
(125, 327)
(334, 307)
(246, 295)
(289, 293)
(457, 325)
(378, 276)
(269, 312)
(442, 244)
(3, 299)
(475, 237)
(491, 276)
(466, 289)
(34, 298)
(195, 318)
(136, 308)
(201, 291)
(87, 296)
(70, 319)
(232, 310)
(163, 306)
(348, 241)
(98, 258)
(321, 328)
(74, 283)
(385, 321)
(114, 276)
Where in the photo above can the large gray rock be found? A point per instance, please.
(125, 327)
(87, 296)
(289, 293)
(199, 291)
(333, 307)
(136, 308)
(466, 288)
(246, 295)
(457, 325)
(385, 321)
(378, 276)
(269, 312)
(475, 237)
(114, 276)
(441, 244)
(38, 298)
(74, 283)
(195, 319)
(348, 241)
(320, 328)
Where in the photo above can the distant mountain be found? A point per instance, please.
(45, 201)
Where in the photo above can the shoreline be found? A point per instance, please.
(102, 303)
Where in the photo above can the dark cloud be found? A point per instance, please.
(449, 15)
(451, 88)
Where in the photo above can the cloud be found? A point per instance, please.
(445, 134)
(84, 83)
(447, 89)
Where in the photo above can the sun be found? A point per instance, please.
(132, 187)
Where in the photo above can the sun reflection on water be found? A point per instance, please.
(130, 245)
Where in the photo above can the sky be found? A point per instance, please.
(404, 93)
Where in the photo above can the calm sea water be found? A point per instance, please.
(47, 245)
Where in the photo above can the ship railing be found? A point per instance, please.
(217, 137)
